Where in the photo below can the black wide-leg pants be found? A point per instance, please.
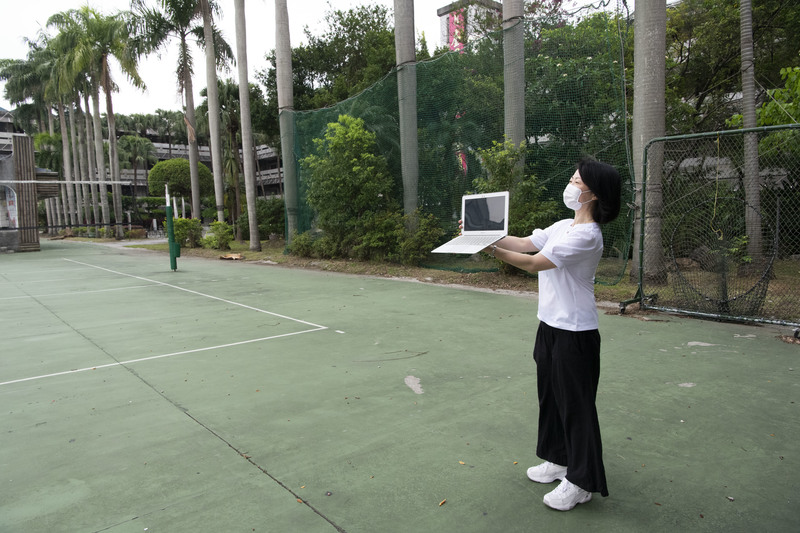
(568, 371)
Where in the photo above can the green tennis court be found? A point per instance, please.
(231, 396)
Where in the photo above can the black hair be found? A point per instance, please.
(606, 184)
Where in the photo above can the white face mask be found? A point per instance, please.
(571, 197)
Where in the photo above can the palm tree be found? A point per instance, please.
(407, 97)
(648, 123)
(283, 72)
(96, 39)
(155, 28)
(752, 185)
(212, 41)
(247, 128)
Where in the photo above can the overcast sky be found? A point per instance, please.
(27, 17)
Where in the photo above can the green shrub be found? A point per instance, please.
(302, 245)
(417, 243)
(188, 231)
(219, 237)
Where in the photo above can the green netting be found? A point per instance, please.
(574, 106)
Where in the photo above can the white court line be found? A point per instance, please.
(74, 293)
(199, 294)
(162, 356)
(315, 327)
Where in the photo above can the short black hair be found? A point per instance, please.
(605, 182)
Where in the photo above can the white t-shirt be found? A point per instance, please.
(566, 293)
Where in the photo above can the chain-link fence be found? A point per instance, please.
(722, 225)
(574, 106)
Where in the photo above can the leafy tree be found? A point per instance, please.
(350, 185)
(177, 174)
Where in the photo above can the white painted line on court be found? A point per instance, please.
(74, 293)
(162, 356)
(199, 294)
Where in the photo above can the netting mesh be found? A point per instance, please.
(574, 105)
(725, 251)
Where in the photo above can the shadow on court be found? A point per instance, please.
(242, 397)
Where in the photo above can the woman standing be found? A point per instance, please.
(567, 348)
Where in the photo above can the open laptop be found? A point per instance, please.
(484, 218)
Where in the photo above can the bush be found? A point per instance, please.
(220, 236)
(188, 231)
(271, 216)
(137, 233)
(417, 244)
(302, 245)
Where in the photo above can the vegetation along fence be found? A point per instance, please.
(721, 225)
(574, 106)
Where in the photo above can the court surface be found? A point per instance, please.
(233, 397)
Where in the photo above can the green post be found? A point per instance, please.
(174, 247)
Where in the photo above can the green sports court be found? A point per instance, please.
(238, 397)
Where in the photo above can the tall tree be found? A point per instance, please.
(648, 123)
(752, 181)
(285, 100)
(211, 43)
(247, 127)
(407, 100)
(156, 28)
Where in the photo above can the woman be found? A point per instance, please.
(567, 348)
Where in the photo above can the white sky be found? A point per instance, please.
(24, 18)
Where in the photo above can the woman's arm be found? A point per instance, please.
(517, 244)
(512, 250)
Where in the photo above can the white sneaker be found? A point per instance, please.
(546, 472)
(566, 496)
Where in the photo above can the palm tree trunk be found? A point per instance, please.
(194, 155)
(752, 181)
(212, 91)
(91, 164)
(283, 68)
(648, 123)
(100, 159)
(407, 98)
(247, 128)
(514, 74)
(80, 204)
(66, 167)
(113, 163)
(82, 155)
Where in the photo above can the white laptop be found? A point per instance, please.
(484, 218)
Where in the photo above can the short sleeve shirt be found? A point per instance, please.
(566, 293)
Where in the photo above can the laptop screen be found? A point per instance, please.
(485, 214)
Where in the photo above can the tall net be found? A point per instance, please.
(574, 105)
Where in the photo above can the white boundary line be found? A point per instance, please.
(199, 294)
(315, 327)
(162, 356)
(74, 293)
